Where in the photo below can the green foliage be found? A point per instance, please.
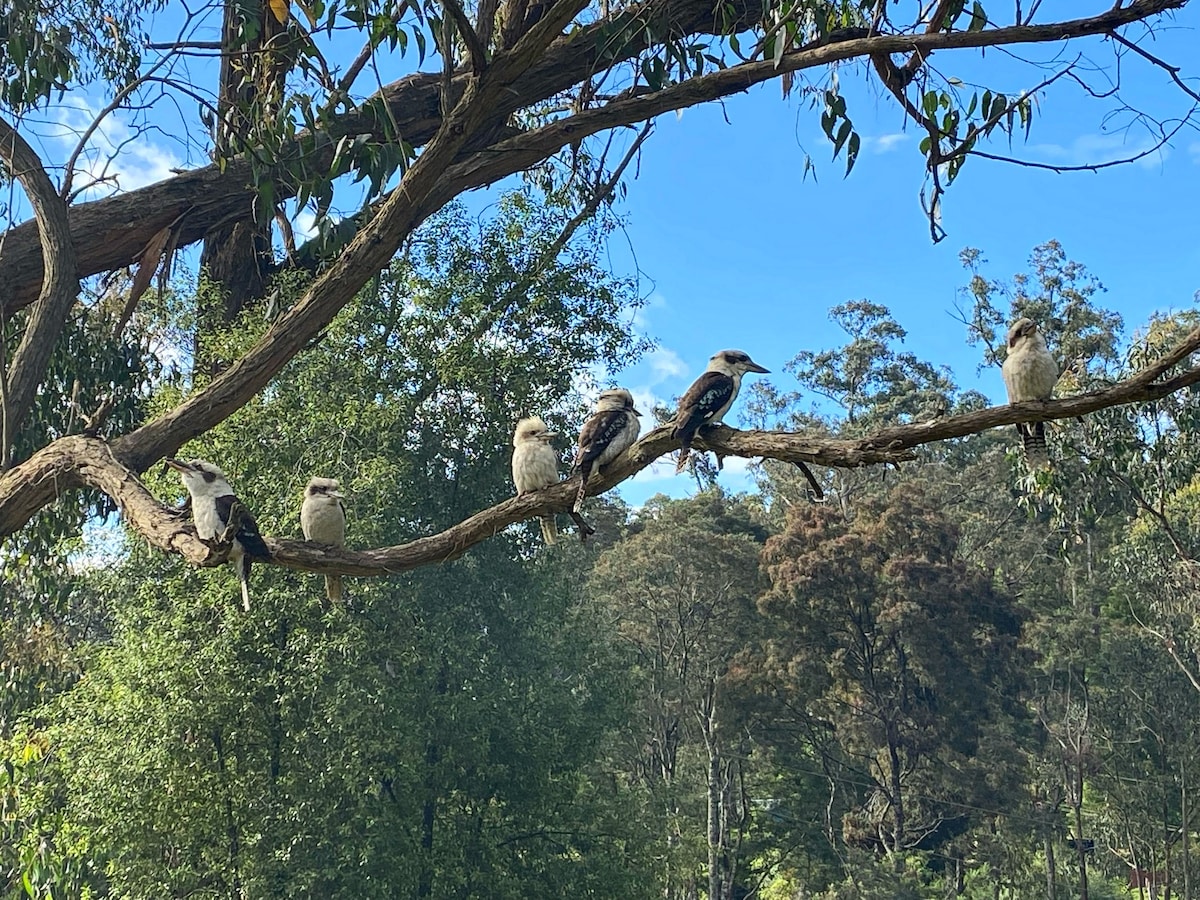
(440, 736)
(96, 373)
(906, 653)
(48, 48)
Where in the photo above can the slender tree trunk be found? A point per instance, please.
(708, 714)
(1184, 815)
(898, 818)
(1051, 886)
(237, 253)
(1077, 804)
(714, 822)
(231, 826)
(432, 789)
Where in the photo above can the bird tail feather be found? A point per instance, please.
(584, 472)
(1033, 436)
(333, 588)
(243, 570)
(685, 436)
(549, 529)
(684, 452)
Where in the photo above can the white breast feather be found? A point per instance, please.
(534, 466)
(323, 520)
(208, 524)
(1030, 372)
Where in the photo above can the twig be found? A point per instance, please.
(1171, 70)
(470, 39)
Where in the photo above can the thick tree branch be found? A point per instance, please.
(109, 233)
(59, 289)
(370, 251)
(78, 460)
(520, 152)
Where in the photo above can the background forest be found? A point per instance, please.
(950, 678)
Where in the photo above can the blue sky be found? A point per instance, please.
(736, 248)
(741, 251)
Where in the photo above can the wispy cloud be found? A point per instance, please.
(641, 315)
(665, 363)
(117, 157)
(885, 143)
(1090, 149)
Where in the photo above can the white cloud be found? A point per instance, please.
(665, 363)
(641, 315)
(122, 155)
(1194, 151)
(885, 143)
(1091, 149)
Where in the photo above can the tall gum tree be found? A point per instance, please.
(500, 88)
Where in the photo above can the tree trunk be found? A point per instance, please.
(714, 821)
(1051, 878)
(1184, 814)
(707, 716)
(1077, 806)
(237, 254)
(898, 819)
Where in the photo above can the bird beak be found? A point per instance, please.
(633, 410)
(550, 434)
(178, 465)
(752, 366)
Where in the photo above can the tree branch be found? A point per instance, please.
(60, 284)
(81, 460)
(109, 233)
(518, 153)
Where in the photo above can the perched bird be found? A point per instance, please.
(214, 509)
(535, 465)
(323, 521)
(607, 433)
(1030, 373)
(710, 396)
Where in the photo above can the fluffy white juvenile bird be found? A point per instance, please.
(214, 506)
(607, 433)
(323, 521)
(710, 396)
(535, 465)
(1030, 373)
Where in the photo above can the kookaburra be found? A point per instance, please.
(323, 521)
(607, 433)
(710, 396)
(535, 465)
(214, 507)
(1030, 373)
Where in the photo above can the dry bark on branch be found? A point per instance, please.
(57, 291)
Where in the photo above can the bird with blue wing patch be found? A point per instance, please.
(710, 396)
(215, 510)
(607, 433)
